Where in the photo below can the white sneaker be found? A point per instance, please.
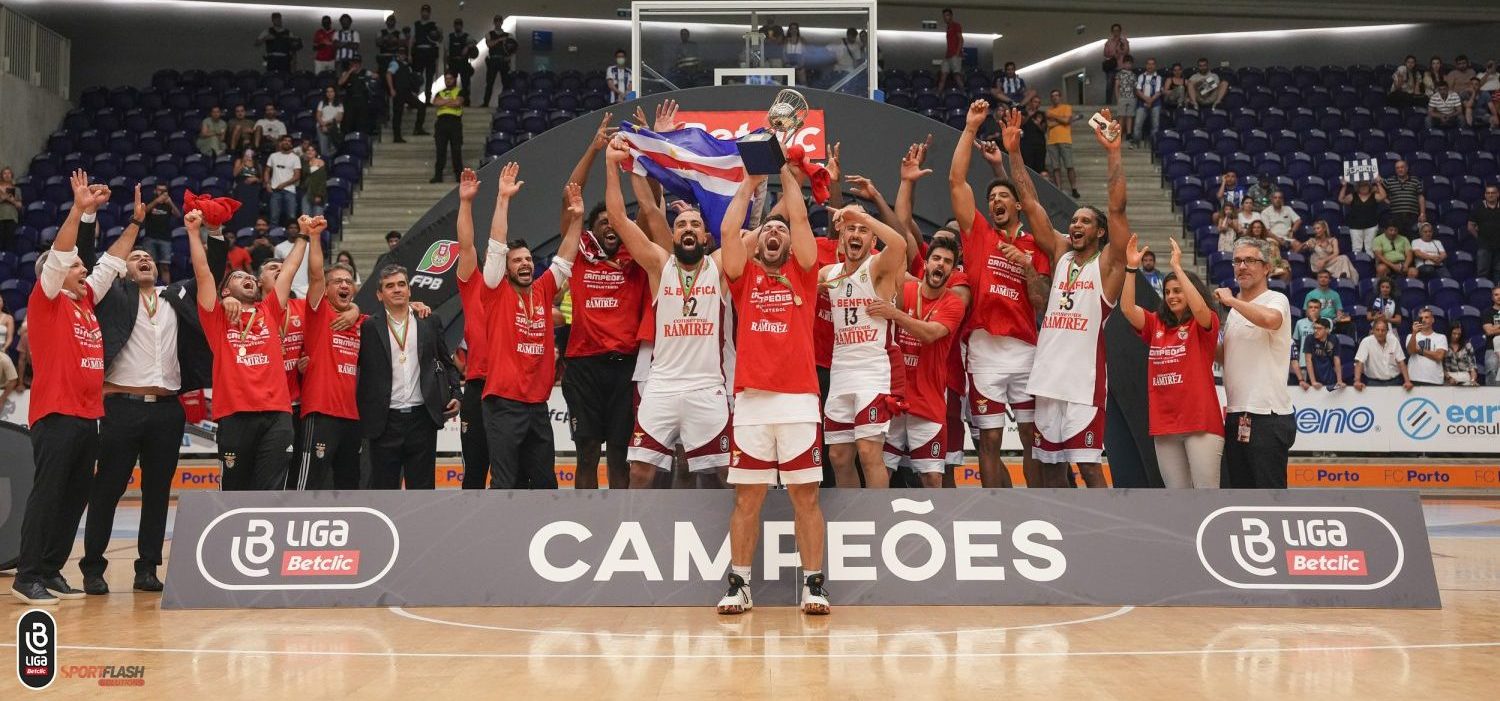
(737, 599)
(814, 596)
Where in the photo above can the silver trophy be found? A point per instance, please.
(788, 112)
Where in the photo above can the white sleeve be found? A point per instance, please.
(562, 270)
(105, 272)
(494, 263)
(55, 270)
(1363, 354)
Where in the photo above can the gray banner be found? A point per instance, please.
(1345, 548)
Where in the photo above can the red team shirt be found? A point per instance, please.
(521, 366)
(1000, 304)
(828, 254)
(608, 298)
(67, 356)
(254, 381)
(956, 378)
(1179, 370)
(774, 335)
(329, 386)
(927, 365)
(293, 329)
(471, 294)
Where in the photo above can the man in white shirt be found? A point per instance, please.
(617, 77)
(1148, 96)
(283, 172)
(269, 128)
(1282, 221)
(284, 249)
(1379, 360)
(1426, 349)
(1258, 427)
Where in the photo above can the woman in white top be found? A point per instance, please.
(1258, 428)
(1227, 221)
(1428, 255)
(9, 378)
(792, 49)
(330, 114)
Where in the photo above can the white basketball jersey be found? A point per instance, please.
(688, 353)
(1069, 362)
(861, 355)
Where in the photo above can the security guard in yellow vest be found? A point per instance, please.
(448, 131)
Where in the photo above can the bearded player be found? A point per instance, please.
(1068, 378)
(776, 417)
(1002, 336)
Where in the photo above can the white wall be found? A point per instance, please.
(30, 115)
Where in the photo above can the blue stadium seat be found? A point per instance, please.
(1359, 119)
(1469, 188)
(1478, 292)
(1240, 163)
(1298, 165)
(1177, 165)
(1260, 98)
(1461, 263)
(1254, 141)
(1300, 287)
(1208, 166)
(165, 167)
(1187, 119)
(1195, 142)
(1186, 189)
(1445, 293)
(1374, 141)
(1438, 188)
(1273, 119)
(1422, 164)
(1463, 140)
(1483, 164)
(1215, 120)
(1404, 141)
(1226, 141)
(214, 186)
(1312, 188)
(1412, 294)
(1286, 142)
(1343, 141)
(1329, 166)
(1315, 141)
(1469, 317)
(1451, 164)
(1198, 214)
(1269, 162)
(1347, 349)
(1454, 213)
(1168, 141)
(1303, 118)
(1433, 140)
(1244, 119)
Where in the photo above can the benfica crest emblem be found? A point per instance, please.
(229, 461)
(638, 438)
(320, 450)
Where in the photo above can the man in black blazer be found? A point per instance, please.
(408, 386)
(154, 350)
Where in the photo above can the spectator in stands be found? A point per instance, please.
(1116, 48)
(323, 48)
(1428, 255)
(1495, 109)
(314, 182)
(347, 258)
(1393, 254)
(1283, 222)
(1175, 88)
(953, 52)
(1489, 80)
(283, 172)
(1248, 212)
(241, 131)
(1010, 89)
(247, 189)
(156, 230)
(1034, 136)
(617, 77)
(1206, 88)
(1333, 304)
(1321, 365)
(1312, 318)
(1472, 102)
(1410, 85)
(1124, 96)
(330, 115)
(794, 52)
(1323, 254)
(10, 378)
(212, 132)
(1060, 142)
(1438, 74)
(345, 42)
(774, 44)
(1444, 108)
(500, 48)
(1231, 192)
(1148, 95)
(284, 250)
(261, 249)
(392, 238)
(1383, 303)
(1362, 213)
(23, 357)
(1459, 368)
(1425, 350)
(1458, 78)
(11, 206)
(1379, 362)
(1407, 199)
(1484, 225)
(1149, 273)
(1492, 326)
(355, 82)
(278, 42)
(1278, 265)
(848, 56)
(1258, 426)
(1260, 191)
(1227, 223)
(269, 129)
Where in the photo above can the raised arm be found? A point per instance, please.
(468, 255)
(1046, 237)
(890, 264)
(572, 222)
(1133, 314)
(804, 244)
(646, 252)
(865, 189)
(494, 255)
(1112, 258)
(1202, 313)
(650, 215)
(911, 172)
(959, 192)
(316, 276)
(585, 162)
(292, 262)
(733, 252)
(208, 292)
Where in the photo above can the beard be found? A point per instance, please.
(774, 259)
(516, 279)
(688, 256)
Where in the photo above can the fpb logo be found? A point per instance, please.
(36, 649)
(439, 259)
(1419, 418)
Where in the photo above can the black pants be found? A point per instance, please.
(471, 436)
(64, 449)
(601, 397)
(407, 448)
(1405, 222)
(133, 430)
(253, 450)
(328, 450)
(492, 69)
(424, 63)
(520, 438)
(448, 135)
(399, 103)
(294, 458)
(8, 234)
(278, 64)
(1259, 463)
(828, 477)
(465, 72)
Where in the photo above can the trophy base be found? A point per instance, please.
(761, 153)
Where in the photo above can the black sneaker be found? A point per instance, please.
(147, 581)
(398, 140)
(421, 132)
(1075, 194)
(33, 593)
(814, 596)
(60, 588)
(436, 179)
(94, 585)
(737, 599)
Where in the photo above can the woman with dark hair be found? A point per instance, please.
(1383, 303)
(1279, 267)
(1187, 421)
(11, 208)
(1459, 368)
(247, 189)
(347, 258)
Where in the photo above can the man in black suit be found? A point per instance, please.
(154, 349)
(408, 387)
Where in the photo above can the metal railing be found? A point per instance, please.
(34, 53)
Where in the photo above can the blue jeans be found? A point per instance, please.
(161, 252)
(1140, 119)
(310, 209)
(283, 207)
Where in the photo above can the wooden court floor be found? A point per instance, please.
(882, 653)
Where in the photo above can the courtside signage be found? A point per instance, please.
(1333, 548)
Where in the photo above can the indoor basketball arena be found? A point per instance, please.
(750, 349)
